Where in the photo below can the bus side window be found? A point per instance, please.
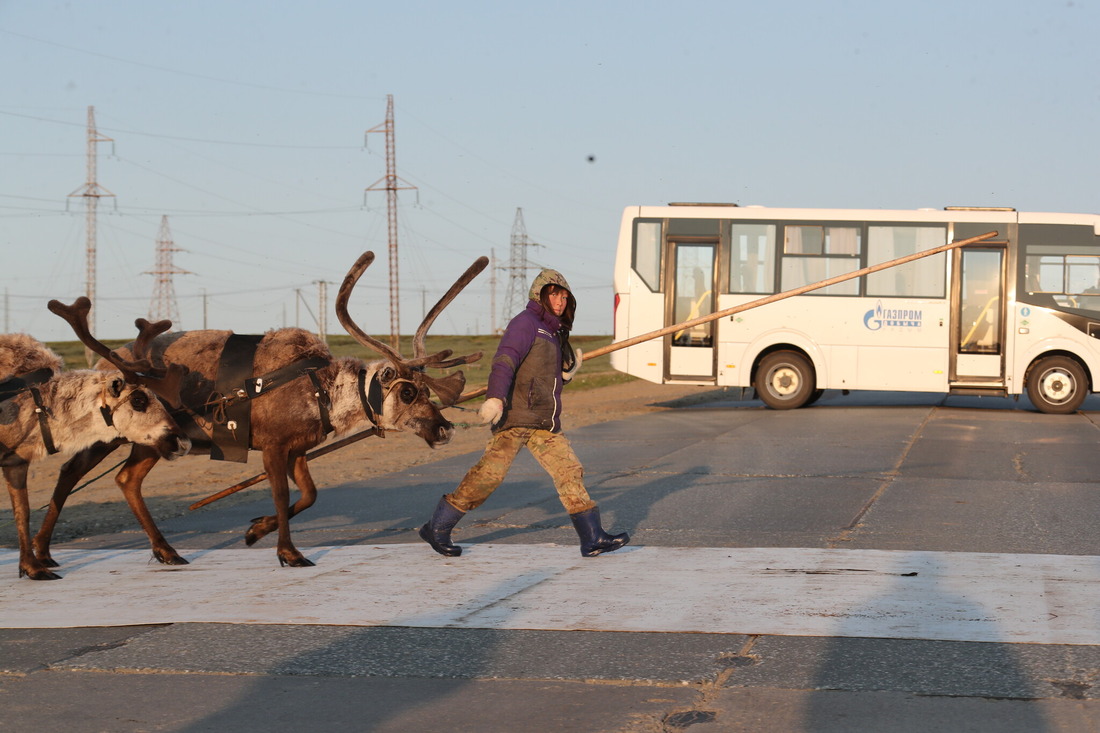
(646, 256)
(752, 258)
(1090, 297)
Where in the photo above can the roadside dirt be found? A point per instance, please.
(172, 487)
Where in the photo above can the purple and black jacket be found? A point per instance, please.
(526, 371)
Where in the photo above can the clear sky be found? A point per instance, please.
(244, 123)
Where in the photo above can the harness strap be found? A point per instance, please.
(43, 422)
(371, 399)
(323, 400)
(256, 386)
(253, 387)
(12, 386)
(231, 432)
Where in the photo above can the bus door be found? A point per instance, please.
(978, 311)
(690, 293)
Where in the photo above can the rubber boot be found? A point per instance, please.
(594, 540)
(437, 532)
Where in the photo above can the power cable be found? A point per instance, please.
(193, 75)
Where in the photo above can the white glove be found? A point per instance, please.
(491, 411)
(568, 376)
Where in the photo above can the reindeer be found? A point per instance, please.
(46, 411)
(338, 395)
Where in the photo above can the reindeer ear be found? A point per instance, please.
(116, 387)
(448, 389)
(386, 375)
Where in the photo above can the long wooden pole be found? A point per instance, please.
(309, 457)
(763, 301)
(472, 394)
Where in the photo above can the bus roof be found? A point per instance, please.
(947, 214)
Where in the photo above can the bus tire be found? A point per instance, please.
(814, 397)
(1056, 385)
(785, 380)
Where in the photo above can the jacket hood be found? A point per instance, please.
(553, 277)
(547, 277)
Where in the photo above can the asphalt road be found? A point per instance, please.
(905, 473)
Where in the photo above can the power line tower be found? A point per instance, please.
(518, 283)
(91, 191)
(492, 290)
(163, 305)
(322, 303)
(390, 183)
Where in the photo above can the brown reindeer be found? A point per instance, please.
(45, 411)
(21, 354)
(339, 395)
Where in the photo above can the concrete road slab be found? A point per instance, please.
(773, 591)
(976, 515)
(920, 474)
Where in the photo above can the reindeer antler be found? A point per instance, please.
(351, 326)
(164, 383)
(448, 388)
(167, 382)
(76, 315)
(418, 339)
(146, 333)
(361, 336)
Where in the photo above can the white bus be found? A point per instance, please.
(1016, 313)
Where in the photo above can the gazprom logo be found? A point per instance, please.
(879, 317)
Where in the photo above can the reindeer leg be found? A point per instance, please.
(74, 469)
(29, 565)
(304, 481)
(276, 463)
(299, 471)
(129, 479)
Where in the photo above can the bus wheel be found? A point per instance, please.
(1056, 385)
(814, 397)
(785, 380)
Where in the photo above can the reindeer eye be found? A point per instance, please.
(408, 393)
(139, 401)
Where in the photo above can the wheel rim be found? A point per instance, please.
(1057, 386)
(784, 381)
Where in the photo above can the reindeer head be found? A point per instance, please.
(165, 383)
(139, 417)
(129, 402)
(406, 399)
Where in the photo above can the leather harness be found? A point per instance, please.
(14, 386)
(230, 404)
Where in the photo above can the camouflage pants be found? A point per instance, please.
(551, 450)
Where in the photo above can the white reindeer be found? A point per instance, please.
(45, 411)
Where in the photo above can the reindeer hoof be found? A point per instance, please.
(49, 562)
(257, 531)
(39, 574)
(296, 562)
(172, 558)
